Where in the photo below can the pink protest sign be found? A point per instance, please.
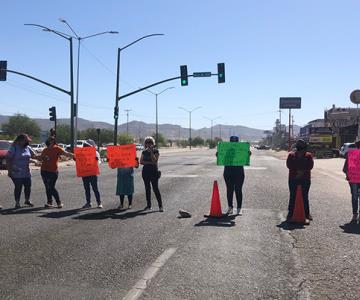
(354, 166)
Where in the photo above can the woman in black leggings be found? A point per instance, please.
(150, 172)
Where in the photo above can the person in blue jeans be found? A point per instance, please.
(354, 187)
(91, 181)
(18, 160)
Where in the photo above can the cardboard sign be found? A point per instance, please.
(123, 156)
(86, 162)
(233, 154)
(354, 166)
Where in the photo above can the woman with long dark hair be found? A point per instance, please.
(150, 173)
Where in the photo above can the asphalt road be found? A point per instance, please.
(111, 254)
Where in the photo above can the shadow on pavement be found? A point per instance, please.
(114, 214)
(351, 227)
(20, 211)
(61, 213)
(285, 225)
(226, 221)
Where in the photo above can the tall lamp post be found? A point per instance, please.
(190, 111)
(156, 103)
(116, 108)
(211, 128)
(79, 39)
(69, 39)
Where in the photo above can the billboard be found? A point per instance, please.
(320, 130)
(290, 102)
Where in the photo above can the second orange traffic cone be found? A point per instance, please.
(299, 211)
(215, 210)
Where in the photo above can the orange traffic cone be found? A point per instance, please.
(299, 211)
(215, 210)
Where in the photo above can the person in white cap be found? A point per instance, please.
(91, 181)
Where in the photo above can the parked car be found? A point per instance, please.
(80, 143)
(62, 145)
(139, 147)
(4, 148)
(38, 148)
(346, 147)
(263, 147)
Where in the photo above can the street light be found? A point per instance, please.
(189, 111)
(127, 120)
(212, 120)
(116, 108)
(79, 38)
(156, 101)
(69, 38)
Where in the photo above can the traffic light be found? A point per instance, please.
(52, 113)
(3, 66)
(221, 72)
(184, 75)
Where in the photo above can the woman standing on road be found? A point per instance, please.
(299, 164)
(354, 186)
(125, 184)
(18, 160)
(234, 177)
(150, 173)
(91, 180)
(49, 169)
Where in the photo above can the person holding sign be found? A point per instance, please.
(125, 184)
(91, 180)
(351, 170)
(150, 173)
(234, 174)
(49, 169)
(299, 164)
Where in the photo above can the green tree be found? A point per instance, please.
(21, 124)
(106, 135)
(125, 139)
(63, 134)
(161, 140)
(197, 141)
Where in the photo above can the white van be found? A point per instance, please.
(346, 147)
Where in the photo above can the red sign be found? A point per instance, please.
(354, 166)
(86, 162)
(123, 156)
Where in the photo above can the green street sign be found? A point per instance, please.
(202, 74)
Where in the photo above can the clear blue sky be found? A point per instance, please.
(271, 48)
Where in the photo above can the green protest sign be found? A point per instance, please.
(233, 154)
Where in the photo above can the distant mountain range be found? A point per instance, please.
(140, 129)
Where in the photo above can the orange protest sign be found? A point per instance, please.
(354, 166)
(123, 156)
(86, 162)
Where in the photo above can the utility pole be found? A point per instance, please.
(292, 126)
(127, 120)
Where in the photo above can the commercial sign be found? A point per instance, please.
(320, 130)
(290, 102)
(321, 139)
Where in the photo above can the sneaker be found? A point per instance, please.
(17, 205)
(120, 206)
(100, 205)
(49, 205)
(87, 205)
(60, 205)
(28, 203)
(355, 217)
(239, 212)
(129, 206)
(309, 217)
(0, 207)
(148, 208)
(161, 209)
(229, 211)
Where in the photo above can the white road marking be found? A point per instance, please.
(180, 176)
(150, 273)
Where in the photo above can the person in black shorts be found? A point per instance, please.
(150, 173)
